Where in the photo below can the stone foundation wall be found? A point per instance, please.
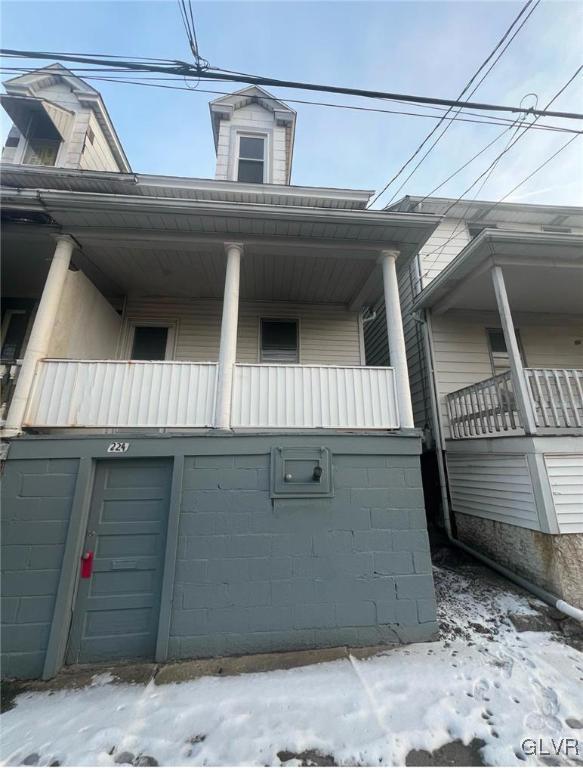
(554, 562)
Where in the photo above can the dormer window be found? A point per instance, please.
(251, 166)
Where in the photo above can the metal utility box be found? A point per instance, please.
(301, 473)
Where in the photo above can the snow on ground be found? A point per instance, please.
(481, 680)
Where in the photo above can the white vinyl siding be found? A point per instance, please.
(448, 239)
(327, 335)
(96, 156)
(565, 471)
(494, 486)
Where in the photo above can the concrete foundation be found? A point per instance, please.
(554, 562)
(244, 572)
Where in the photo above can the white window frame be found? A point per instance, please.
(266, 153)
(492, 354)
(138, 322)
(271, 319)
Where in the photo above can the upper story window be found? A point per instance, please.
(150, 342)
(42, 147)
(499, 357)
(251, 160)
(279, 341)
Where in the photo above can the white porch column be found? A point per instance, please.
(40, 336)
(228, 348)
(396, 338)
(518, 376)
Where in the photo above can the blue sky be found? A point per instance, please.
(426, 48)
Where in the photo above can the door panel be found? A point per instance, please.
(117, 608)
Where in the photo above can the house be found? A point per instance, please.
(493, 317)
(199, 461)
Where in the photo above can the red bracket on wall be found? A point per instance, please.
(87, 565)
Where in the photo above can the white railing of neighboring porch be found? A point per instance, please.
(311, 396)
(490, 407)
(120, 393)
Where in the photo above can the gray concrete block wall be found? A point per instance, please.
(254, 576)
(36, 507)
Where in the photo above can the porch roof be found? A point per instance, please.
(180, 188)
(131, 244)
(543, 272)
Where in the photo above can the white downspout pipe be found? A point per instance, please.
(228, 343)
(396, 337)
(38, 343)
(542, 594)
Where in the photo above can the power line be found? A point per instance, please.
(163, 84)
(184, 69)
(488, 173)
(462, 93)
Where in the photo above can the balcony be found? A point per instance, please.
(120, 394)
(490, 407)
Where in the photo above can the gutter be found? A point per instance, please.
(534, 589)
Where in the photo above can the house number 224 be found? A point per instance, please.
(118, 447)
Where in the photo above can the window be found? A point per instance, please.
(43, 145)
(150, 342)
(90, 135)
(251, 159)
(279, 341)
(499, 358)
(12, 141)
(41, 152)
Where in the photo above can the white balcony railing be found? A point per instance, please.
(490, 407)
(118, 393)
(310, 396)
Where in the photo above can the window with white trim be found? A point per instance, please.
(150, 342)
(279, 341)
(251, 160)
(499, 358)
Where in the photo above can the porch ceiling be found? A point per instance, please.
(543, 273)
(176, 247)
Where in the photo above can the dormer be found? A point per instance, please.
(59, 120)
(254, 137)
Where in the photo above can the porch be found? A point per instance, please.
(208, 301)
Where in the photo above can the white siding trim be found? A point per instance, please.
(565, 472)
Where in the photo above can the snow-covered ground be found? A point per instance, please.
(482, 680)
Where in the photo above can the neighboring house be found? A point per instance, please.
(199, 461)
(493, 317)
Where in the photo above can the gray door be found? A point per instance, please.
(117, 606)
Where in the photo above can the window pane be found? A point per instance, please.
(149, 343)
(250, 148)
(251, 171)
(41, 152)
(496, 339)
(279, 341)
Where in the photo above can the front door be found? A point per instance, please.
(118, 597)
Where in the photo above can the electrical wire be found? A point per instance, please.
(487, 173)
(182, 68)
(463, 92)
(141, 81)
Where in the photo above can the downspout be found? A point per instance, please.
(542, 594)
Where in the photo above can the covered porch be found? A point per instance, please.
(510, 303)
(171, 267)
